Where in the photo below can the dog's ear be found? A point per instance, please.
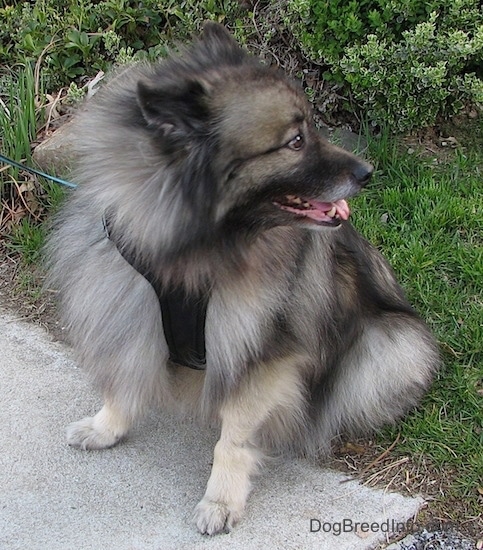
(178, 108)
(175, 110)
(215, 32)
(221, 48)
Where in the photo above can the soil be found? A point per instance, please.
(388, 469)
(20, 293)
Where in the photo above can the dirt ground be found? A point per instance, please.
(20, 292)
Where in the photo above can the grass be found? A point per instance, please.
(24, 200)
(27, 239)
(18, 116)
(426, 216)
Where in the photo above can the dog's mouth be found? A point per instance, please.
(311, 210)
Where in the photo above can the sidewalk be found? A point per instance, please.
(141, 494)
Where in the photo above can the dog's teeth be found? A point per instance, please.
(306, 204)
(293, 199)
(332, 212)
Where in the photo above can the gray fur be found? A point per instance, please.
(308, 334)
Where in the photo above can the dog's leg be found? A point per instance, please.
(236, 458)
(101, 431)
(127, 362)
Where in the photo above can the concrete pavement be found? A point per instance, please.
(141, 494)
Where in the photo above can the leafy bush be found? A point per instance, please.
(405, 61)
(74, 38)
(402, 61)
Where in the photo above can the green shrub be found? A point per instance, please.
(74, 38)
(405, 61)
(406, 84)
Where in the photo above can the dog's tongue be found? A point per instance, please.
(342, 209)
(320, 209)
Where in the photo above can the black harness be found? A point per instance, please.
(183, 313)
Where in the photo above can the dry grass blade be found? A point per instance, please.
(379, 475)
(382, 455)
(38, 65)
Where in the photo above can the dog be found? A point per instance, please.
(206, 264)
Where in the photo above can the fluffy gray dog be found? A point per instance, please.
(206, 263)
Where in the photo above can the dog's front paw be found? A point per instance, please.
(89, 434)
(215, 517)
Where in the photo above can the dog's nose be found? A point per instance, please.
(362, 173)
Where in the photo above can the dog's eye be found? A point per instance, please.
(296, 143)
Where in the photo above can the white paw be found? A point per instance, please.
(90, 434)
(213, 517)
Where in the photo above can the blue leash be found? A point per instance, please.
(6, 160)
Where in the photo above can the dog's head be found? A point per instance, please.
(241, 138)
